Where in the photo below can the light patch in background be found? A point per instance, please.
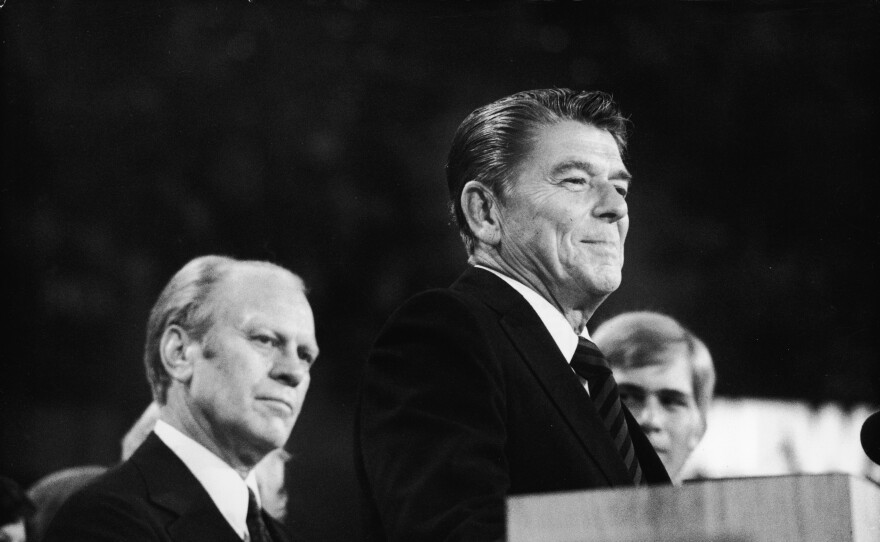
(759, 437)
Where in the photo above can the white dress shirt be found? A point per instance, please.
(559, 328)
(224, 485)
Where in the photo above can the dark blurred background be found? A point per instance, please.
(137, 135)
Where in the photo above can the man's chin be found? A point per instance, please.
(601, 289)
(602, 280)
(272, 436)
(609, 281)
(661, 452)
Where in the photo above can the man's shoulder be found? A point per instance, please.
(112, 507)
(131, 476)
(462, 322)
(122, 479)
(440, 308)
(449, 298)
(120, 504)
(476, 290)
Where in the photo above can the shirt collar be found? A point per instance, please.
(553, 320)
(223, 484)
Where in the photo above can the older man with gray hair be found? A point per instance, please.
(229, 349)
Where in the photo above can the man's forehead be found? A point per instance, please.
(246, 278)
(247, 287)
(575, 143)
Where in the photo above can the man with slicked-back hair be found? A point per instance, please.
(229, 348)
(487, 388)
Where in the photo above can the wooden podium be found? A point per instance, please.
(801, 508)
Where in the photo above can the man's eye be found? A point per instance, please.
(266, 340)
(630, 395)
(674, 402)
(307, 354)
(622, 190)
(574, 180)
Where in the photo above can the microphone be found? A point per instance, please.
(870, 437)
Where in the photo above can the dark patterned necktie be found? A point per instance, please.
(589, 363)
(255, 524)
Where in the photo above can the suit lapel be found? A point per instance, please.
(541, 354)
(173, 487)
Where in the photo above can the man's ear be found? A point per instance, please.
(177, 353)
(481, 211)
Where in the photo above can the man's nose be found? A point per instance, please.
(611, 205)
(290, 368)
(650, 417)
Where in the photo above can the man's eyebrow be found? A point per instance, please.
(258, 323)
(622, 175)
(673, 393)
(591, 169)
(632, 387)
(574, 164)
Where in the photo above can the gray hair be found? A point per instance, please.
(185, 302)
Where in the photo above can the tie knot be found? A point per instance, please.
(588, 360)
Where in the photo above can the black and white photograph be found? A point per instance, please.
(367, 270)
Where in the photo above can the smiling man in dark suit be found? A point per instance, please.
(491, 387)
(229, 348)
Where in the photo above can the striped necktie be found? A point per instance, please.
(589, 363)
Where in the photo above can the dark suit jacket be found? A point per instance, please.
(151, 497)
(466, 399)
